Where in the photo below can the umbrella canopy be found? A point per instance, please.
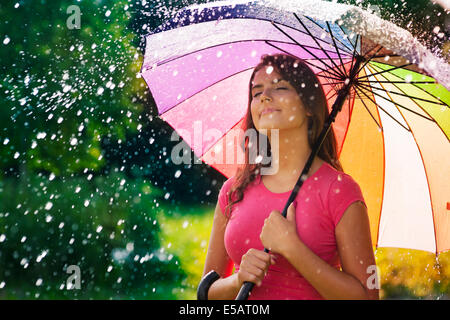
(393, 130)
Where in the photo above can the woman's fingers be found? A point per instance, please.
(254, 266)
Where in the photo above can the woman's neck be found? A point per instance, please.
(293, 152)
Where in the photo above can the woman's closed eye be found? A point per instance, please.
(279, 88)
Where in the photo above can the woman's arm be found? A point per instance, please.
(253, 266)
(354, 247)
(217, 259)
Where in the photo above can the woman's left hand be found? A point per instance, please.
(278, 233)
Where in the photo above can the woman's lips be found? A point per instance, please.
(268, 110)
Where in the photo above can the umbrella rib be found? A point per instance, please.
(356, 42)
(386, 55)
(405, 82)
(367, 61)
(312, 20)
(413, 83)
(221, 44)
(365, 106)
(337, 49)
(380, 72)
(401, 94)
(290, 27)
(407, 129)
(423, 109)
(334, 93)
(324, 70)
(297, 43)
(315, 40)
(396, 103)
(221, 137)
(208, 86)
(354, 52)
(327, 77)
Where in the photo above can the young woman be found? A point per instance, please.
(322, 249)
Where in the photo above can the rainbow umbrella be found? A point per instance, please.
(392, 132)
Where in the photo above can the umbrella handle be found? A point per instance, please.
(205, 284)
(245, 291)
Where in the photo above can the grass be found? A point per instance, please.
(187, 236)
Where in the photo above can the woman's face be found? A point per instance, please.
(275, 103)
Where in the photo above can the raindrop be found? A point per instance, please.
(48, 206)
(100, 90)
(41, 256)
(177, 174)
(269, 69)
(6, 40)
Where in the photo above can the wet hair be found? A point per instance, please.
(308, 87)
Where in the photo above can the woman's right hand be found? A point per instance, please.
(254, 266)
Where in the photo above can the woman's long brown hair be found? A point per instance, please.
(307, 85)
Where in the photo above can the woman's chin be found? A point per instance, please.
(270, 124)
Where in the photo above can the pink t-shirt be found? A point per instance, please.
(321, 202)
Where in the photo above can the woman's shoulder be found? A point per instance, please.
(336, 176)
(341, 184)
(342, 191)
(226, 186)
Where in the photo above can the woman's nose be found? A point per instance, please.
(265, 96)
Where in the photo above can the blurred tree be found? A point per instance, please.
(63, 91)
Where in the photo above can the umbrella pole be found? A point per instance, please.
(247, 287)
